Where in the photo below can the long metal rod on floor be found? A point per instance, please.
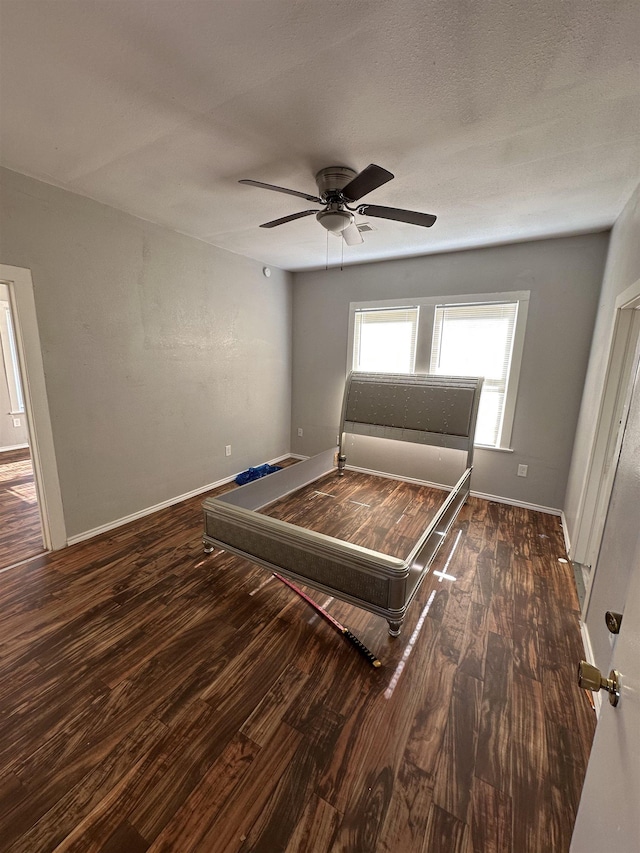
(341, 629)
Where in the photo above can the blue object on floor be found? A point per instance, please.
(255, 473)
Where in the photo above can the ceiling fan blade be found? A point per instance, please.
(352, 235)
(366, 181)
(289, 218)
(273, 187)
(410, 216)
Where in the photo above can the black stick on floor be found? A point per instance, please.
(341, 629)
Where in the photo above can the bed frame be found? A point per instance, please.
(420, 408)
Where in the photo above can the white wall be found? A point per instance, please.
(622, 270)
(564, 276)
(158, 351)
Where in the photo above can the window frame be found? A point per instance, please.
(424, 341)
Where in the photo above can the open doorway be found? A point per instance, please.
(20, 522)
(35, 479)
(611, 417)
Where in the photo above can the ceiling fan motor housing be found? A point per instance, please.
(330, 182)
(332, 179)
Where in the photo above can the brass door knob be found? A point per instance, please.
(590, 678)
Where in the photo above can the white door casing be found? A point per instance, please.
(23, 310)
(600, 469)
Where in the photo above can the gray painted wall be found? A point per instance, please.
(158, 351)
(564, 276)
(622, 270)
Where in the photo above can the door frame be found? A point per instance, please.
(45, 469)
(607, 441)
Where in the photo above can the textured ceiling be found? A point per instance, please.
(509, 120)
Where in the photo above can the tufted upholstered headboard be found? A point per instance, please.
(419, 407)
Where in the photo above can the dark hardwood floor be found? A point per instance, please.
(20, 531)
(154, 699)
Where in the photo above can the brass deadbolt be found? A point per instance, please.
(590, 678)
(613, 620)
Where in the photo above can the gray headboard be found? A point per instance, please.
(422, 408)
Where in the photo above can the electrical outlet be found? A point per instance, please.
(300, 432)
(16, 422)
(523, 470)
(227, 450)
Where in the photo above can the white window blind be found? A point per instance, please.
(384, 341)
(477, 340)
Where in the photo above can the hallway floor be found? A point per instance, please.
(20, 531)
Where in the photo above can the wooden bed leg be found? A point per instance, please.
(394, 627)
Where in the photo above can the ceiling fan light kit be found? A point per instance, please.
(334, 219)
(339, 186)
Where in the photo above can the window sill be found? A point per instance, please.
(491, 447)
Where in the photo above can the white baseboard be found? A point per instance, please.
(483, 495)
(284, 456)
(549, 510)
(119, 522)
(588, 652)
(13, 447)
(495, 498)
(112, 525)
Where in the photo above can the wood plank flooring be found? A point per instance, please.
(20, 531)
(374, 512)
(156, 699)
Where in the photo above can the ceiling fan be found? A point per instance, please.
(338, 187)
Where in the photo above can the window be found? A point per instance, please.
(385, 341)
(477, 340)
(481, 335)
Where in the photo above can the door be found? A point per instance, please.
(600, 485)
(620, 533)
(587, 537)
(609, 813)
